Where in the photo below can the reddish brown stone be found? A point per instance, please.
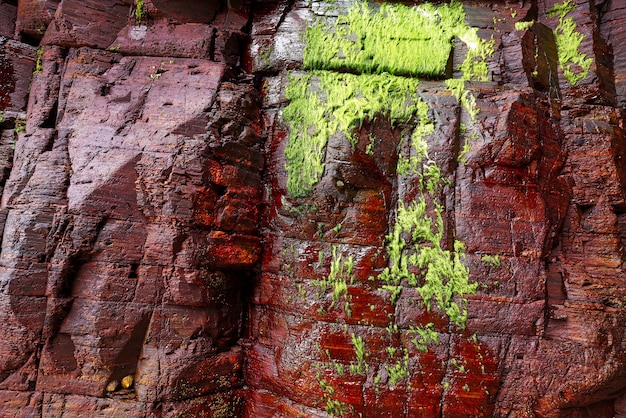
(17, 63)
(147, 232)
(163, 40)
(187, 12)
(33, 17)
(92, 23)
(133, 286)
(20, 403)
(613, 31)
(8, 13)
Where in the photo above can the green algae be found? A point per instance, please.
(398, 39)
(474, 66)
(38, 64)
(323, 103)
(363, 66)
(465, 97)
(442, 278)
(493, 261)
(568, 42)
(340, 275)
(524, 25)
(360, 367)
(425, 335)
(377, 46)
(458, 89)
(139, 11)
(398, 371)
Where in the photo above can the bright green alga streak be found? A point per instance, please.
(396, 40)
(568, 42)
(443, 276)
(363, 67)
(324, 103)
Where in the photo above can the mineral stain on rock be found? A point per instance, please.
(322, 208)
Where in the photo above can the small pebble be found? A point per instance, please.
(127, 381)
(112, 386)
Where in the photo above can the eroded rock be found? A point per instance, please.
(153, 262)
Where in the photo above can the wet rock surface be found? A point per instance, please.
(153, 262)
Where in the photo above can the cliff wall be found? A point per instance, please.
(204, 215)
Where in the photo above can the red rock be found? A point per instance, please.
(33, 17)
(613, 31)
(161, 39)
(147, 231)
(23, 403)
(92, 23)
(214, 406)
(8, 13)
(17, 63)
(186, 12)
(128, 276)
(262, 404)
(75, 406)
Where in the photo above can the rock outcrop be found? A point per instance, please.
(130, 212)
(155, 260)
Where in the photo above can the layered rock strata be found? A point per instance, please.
(130, 212)
(540, 188)
(149, 229)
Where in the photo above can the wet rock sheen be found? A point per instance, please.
(153, 262)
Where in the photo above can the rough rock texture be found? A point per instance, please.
(147, 230)
(130, 216)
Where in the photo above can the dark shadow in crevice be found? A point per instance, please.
(125, 363)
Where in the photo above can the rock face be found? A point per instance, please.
(153, 261)
(132, 205)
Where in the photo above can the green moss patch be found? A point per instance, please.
(364, 65)
(323, 103)
(575, 64)
(378, 46)
(398, 39)
(416, 242)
